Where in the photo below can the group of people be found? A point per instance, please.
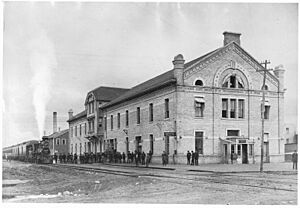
(110, 156)
(192, 158)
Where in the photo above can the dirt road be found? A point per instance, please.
(39, 183)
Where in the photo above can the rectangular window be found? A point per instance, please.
(57, 141)
(232, 108)
(111, 122)
(239, 149)
(224, 108)
(267, 112)
(93, 107)
(167, 113)
(80, 130)
(119, 122)
(150, 112)
(75, 130)
(127, 118)
(151, 142)
(85, 128)
(138, 115)
(199, 106)
(241, 109)
(105, 123)
(71, 131)
(233, 132)
(199, 142)
(127, 145)
(63, 142)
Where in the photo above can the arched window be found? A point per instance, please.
(199, 82)
(233, 82)
(266, 87)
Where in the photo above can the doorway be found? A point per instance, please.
(138, 142)
(225, 148)
(266, 152)
(244, 153)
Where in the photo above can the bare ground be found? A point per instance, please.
(36, 183)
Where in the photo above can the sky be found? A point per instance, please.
(54, 53)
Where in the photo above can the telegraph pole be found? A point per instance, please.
(265, 63)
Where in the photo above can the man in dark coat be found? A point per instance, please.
(295, 159)
(143, 158)
(188, 157)
(196, 157)
(193, 158)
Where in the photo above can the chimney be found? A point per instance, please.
(54, 122)
(279, 73)
(178, 63)
(231, 36)
(70, 113)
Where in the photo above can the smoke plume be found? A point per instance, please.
(42, 63)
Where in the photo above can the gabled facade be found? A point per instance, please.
(86, 128)
(211, 105)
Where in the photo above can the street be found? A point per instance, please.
(23, 182)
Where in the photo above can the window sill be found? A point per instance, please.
(234, 119)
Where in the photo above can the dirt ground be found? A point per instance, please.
(36, 183)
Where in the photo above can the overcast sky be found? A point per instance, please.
(55, 53)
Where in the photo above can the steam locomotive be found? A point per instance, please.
(30, 151)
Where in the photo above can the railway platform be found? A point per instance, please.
(213, 168)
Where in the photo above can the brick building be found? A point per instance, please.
(86, 128)
(211, 105)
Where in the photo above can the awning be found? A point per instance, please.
(199, 100)
(225, 140)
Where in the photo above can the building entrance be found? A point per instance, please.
(138, 143)
(244, 153)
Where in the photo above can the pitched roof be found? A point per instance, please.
(77, 116)
(166, 78)
(56, 134)
(154, 83)
(158, 81)
(107, 93)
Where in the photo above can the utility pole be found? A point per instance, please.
(265, 63)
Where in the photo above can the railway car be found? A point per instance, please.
(30, 151)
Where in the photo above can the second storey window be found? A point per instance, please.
(80, 130)
(224, 108)
(127, 119)
(138, 115)
(85, 128)
(232, 108)
(71, 131)
(119, 122)
(111, 122)
(241, 109)
(199, 106)
(75, 130)
(150, 112)
(105, 123)
(267, 110)
(167, 113)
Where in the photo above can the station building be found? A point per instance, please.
(86, 128)
(211, 105)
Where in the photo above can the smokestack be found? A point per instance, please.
(231, 36)
(70, 113)
(44, 133)
(54, 122)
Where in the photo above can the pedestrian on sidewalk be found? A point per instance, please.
(164, 160)
(193, 158)
(123, 157)
(188, 157)
(196, 157)
(295, 159)
(143, 158)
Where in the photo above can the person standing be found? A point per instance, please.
(188, 157)
(193, 158)
(143, 158)
(196, 157)
(295, 159)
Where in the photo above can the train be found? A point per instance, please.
(33, 151)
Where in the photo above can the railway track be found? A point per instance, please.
(217, 178)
